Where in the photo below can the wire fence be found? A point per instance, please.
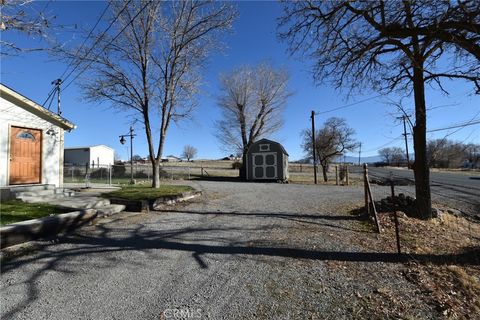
(141, 173)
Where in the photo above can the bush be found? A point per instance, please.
(99, 173)
(140, 175)
(118, 170)
(236, 165)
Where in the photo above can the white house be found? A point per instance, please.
(31, 141)
(94, 156)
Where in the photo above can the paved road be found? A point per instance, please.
(459, 190)
(242, 251)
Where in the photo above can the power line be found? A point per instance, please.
(48, 96)
(88, 36)
(349, 105)
(98, 40)
(469, 123)
(110, 42)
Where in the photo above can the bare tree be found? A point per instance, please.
(332, 140)
(393, 155)
(386, 154)
(444, 153)
(252, 102)
(386, 46)
(150, 68)
(189, 152)
(21, 16)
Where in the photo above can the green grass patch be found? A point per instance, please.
(146, 193)
(15, 210)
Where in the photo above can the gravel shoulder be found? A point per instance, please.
(241, 250)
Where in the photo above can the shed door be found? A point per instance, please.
(25, 155)
(265, 165)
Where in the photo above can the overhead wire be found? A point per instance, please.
(96, 42)
(349, 105)
(110, 42)
(88, 36)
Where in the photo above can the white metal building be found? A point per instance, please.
(31, 141)
(94, 156)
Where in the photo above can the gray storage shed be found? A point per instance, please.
(267, 160)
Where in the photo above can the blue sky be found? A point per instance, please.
(253, 40)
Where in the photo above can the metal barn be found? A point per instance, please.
(267, 160)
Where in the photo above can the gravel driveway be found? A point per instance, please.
(241, 251)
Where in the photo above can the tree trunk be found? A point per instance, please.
(324, 171)
(156, 174)
(420, 169)
(243, 168)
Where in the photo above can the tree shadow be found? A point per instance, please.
(197, 242)
(216, 178)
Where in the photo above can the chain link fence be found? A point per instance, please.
(119, 174)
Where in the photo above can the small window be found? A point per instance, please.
(25, 135)
(264, 147)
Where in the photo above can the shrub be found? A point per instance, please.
(236, 165)
(118, 170)
(99, 173)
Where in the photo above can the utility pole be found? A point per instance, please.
(314, 148)
(404, 118)
(359, 153)
(57, 83)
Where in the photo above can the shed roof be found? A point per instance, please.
(269, 141)
(33, 107)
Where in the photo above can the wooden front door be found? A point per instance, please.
(25, 155)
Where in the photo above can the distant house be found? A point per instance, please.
(267, 160)
(93, 156)
(171, 158)
(31, 141)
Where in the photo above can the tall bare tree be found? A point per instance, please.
(151, 67)
(332, 140)
(251, 102)
(390, 45)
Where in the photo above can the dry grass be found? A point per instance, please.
(454, 289)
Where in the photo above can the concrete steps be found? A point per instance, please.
(65, 198)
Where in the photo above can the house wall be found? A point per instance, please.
(101, 154)
(52, 145)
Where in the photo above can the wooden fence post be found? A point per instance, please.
(365, 182)
(375, 216)
(336, 174)
(395, 216)
(346, 174)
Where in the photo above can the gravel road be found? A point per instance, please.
(241, 251)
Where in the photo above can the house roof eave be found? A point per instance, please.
(33, 107)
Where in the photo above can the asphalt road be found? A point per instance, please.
(241, 251)
(459, 190)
